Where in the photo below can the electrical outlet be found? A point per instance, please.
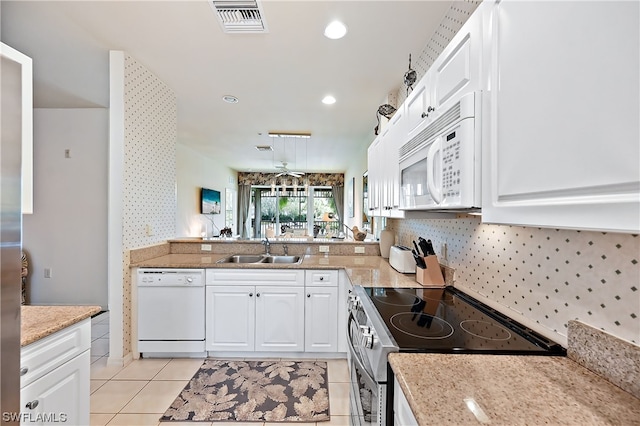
(149, 230)
(323, 249)
(205, 247)
(47, 272)
(443, 251)
(358, 250)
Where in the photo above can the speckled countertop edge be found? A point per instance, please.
(40, 321)
(369, 271)
(442, 388)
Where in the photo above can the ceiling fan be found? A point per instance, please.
(284, 171)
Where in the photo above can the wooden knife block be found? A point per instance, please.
(432, 275)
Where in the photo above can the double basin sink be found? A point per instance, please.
(260, 258)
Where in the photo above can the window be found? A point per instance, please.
(299, 213)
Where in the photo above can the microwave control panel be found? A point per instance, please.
(451, 165)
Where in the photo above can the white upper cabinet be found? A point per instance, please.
(561, 142)
(375, 176)
(418, 107)
(457, 70)
(384, 168)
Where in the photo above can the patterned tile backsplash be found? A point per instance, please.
(549, 276)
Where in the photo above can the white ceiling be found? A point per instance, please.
(279, 77)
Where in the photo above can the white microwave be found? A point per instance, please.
(440, 166)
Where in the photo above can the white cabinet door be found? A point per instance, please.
(418, 107)
(391, 160)
(384, 173)
(375, 174)
(230, 312)
(321, 319)
(457, 70)
(279, 318)
(563, 137)
(60, 396)
(402, 413)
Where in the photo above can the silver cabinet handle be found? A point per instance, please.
(32, 404)
(24, 370)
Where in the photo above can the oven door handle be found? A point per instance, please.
(369, 381)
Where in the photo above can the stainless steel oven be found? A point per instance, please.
(441, 320)
(367, 358)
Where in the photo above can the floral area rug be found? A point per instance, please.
(262, 391)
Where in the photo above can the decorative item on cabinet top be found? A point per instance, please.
(410, 77)
(387, 112)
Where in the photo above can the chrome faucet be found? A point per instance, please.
(286, 249)
(267, 246)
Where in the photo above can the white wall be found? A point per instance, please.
(194, 172)
(67, 232)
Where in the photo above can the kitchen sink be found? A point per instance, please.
(257, 258)
(242, 258)
(282, 259)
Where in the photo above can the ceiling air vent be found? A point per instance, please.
(240, 16)
(264, 148)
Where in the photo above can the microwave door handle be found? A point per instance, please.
(435, 191)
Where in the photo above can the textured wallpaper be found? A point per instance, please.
(150, 131)
(547, 275)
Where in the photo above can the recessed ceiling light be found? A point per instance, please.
(335, 30)
(328, 100)
(230, 99)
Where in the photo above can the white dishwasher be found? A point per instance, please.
(171, 309)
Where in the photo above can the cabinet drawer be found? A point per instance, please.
(321, 278)
(286, 277)
(42, 356)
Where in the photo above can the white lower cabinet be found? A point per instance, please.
(254, 310)
(273, 310)
(230, 318)
(321, 311)
(402, 414)
(55, 381)
(279, 319)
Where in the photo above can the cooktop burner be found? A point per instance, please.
(421, 326)
(447, 320)
(485, 330)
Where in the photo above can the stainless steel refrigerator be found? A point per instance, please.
(10, 233)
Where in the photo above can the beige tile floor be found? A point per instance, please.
(138, 394)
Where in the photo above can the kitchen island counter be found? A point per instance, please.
(446, 389)
(40, 321)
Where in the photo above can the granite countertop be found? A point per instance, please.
(38, 321)
(442, 389)
(371, 271)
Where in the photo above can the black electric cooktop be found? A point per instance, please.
(447, 320)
